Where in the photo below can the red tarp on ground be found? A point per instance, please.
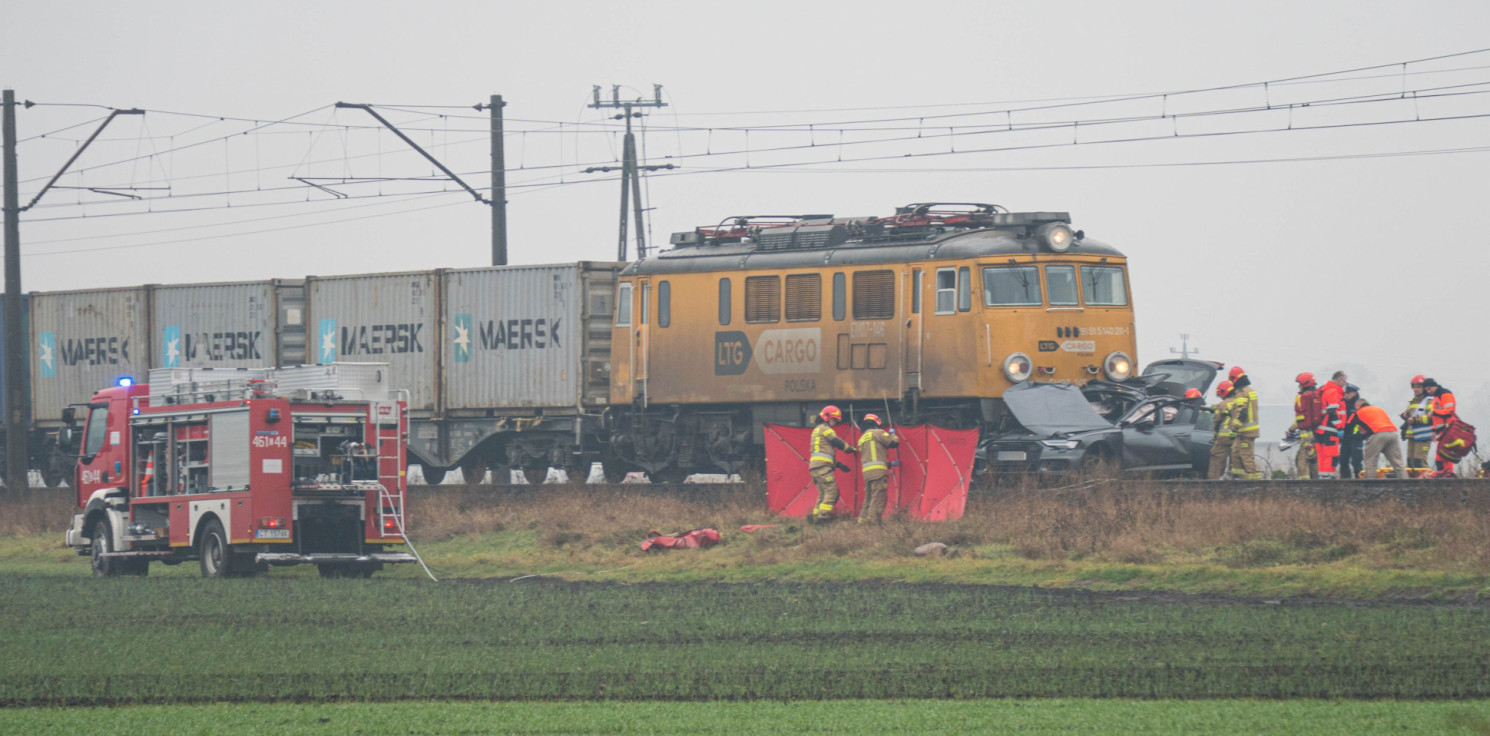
(930, 484)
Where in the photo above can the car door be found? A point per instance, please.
(1157, 436)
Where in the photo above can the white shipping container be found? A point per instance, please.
(83, 341)
(527, 336)
(388, 318)
(214, 325)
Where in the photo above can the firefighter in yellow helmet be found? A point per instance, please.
(1225, 435)
(1244, 421)
(824, 460)
(874, 446)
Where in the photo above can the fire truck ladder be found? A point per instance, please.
(386, 438)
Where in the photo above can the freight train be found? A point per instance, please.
(669, 365)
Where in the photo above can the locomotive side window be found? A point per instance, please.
(964, 289)
(664, 303)
(762, 299)
(874, 295)
(1011, 286)
(724, 302)
(1104, 286)
(839, 300)
(1060, 282)
(946, 291)
(916, 291)
(623, 305)
(804, 297)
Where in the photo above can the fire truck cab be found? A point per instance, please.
(243, 469)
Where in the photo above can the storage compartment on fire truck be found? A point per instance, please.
(328, 526)
(330, 449)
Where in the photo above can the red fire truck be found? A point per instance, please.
(243, 469)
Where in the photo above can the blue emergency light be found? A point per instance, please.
(126, 381)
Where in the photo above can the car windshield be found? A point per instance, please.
(1188, 374)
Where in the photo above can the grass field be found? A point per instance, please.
(120, 641)
(1060, 611)
(1048, 716)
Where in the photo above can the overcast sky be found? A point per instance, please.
(1355, 259)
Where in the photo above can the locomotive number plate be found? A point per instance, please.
(1011, 455)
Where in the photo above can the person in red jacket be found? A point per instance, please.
(1327, 434)
(1444, 410)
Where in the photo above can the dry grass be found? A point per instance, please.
(1096, 520)
(37, 511)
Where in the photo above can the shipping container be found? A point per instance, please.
(252, 324)
(527, 336)
(389, 318)
(83, 341)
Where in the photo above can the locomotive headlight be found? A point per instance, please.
(1118, 366)
(1057, 237)
(1018, 367)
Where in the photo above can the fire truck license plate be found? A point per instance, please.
(272, 534)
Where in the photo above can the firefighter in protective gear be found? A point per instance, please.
(824, 461)
(1417, 427)
(1444, 409)
(1244, 422)
(1332, 415)
(1352, 436)
(1305, 419)
(874, 446)
(1225, 435)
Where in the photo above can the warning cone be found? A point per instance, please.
(149, 474)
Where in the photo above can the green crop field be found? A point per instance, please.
(84, 641)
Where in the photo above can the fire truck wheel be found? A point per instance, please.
(103, 542)
(215, 554)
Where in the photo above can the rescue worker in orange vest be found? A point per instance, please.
(1224, 434)
(1381, 439)
(1327, 434)
(824, 461)
(874, 446)
(1444, 409)
(1305, 419)
(1417, 428)
(1244, 421)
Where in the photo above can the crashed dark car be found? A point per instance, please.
(1143, 425)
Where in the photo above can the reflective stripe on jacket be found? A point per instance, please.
(1221, 420)
(1420, 419)
(872, 445)
(1244, 413)
(824, 439)
(1443, 406)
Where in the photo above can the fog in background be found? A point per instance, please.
(1339, 229)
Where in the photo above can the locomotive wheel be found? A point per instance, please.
(535, 474)
(671, 475)
(214, 552)
(433, 476)
(103, 542)
(51, 478)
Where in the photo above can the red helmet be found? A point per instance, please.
(1192, 393)
(831, 413)
(1305, 379)
(873, 419)
(1417, 380)
(1236, 372)
(1223, 388)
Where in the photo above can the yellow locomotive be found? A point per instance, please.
(930, 314)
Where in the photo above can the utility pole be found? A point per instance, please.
(1185, 350)
(498, 184)
(17, 367)
(630, 180)
(17, 371)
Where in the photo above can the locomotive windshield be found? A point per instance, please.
(1060, 281)
(1011, 286)
(1104, 286)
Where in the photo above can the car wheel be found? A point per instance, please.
(214, 552)
(103, 543)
